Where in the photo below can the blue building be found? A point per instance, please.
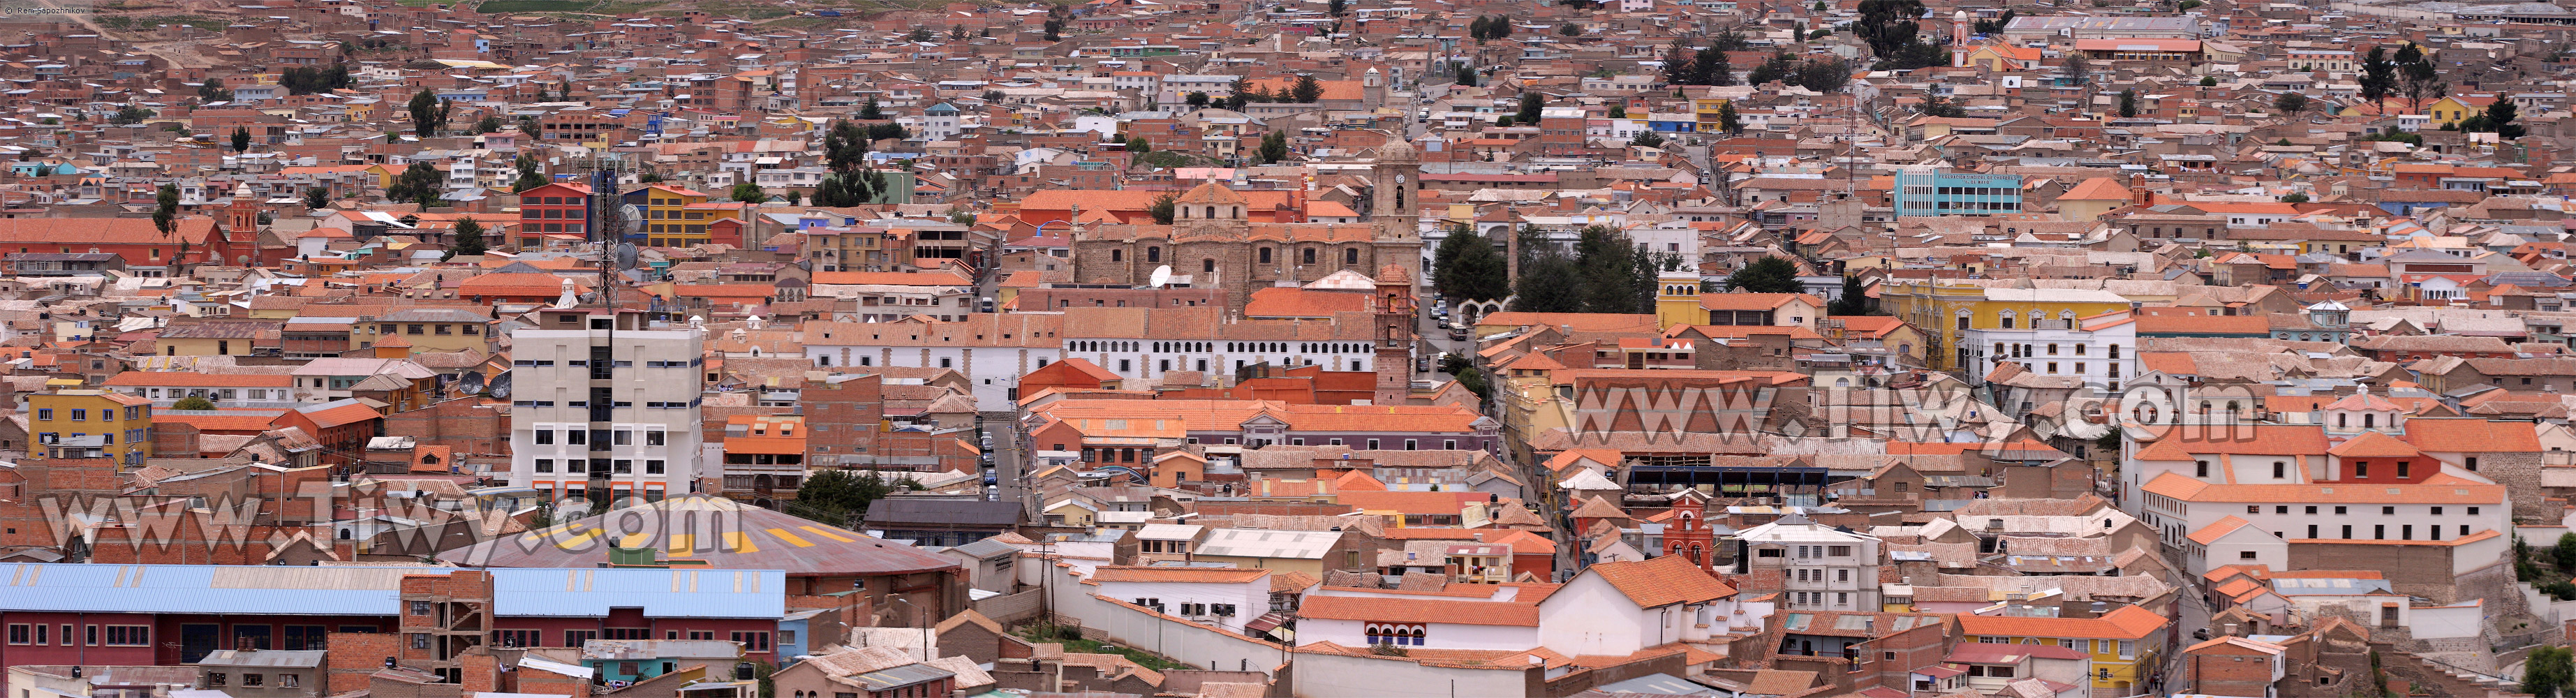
(1929, 193)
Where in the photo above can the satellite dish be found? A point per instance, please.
(625, 254)
(634, 220)
(1162, 275)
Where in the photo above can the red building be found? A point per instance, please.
(553, 208)
(343, 427)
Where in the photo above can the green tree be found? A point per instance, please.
(129, 115)
(920, 35)
(317, 197)
(428, 113)
(1854, 300)
(1306, 91)
(2129, 103)
(1504, 121)
(2417, 78)
(1606, 258)
(469, 238)
(1647, 138)
(1274, 147)
(529, 177)
(1163, 208)
(1139, 146)
(1777, 69)
(1567, 29)
(794, 198)
(488, 124)
(871, 112)
(2547, 671)
(1824, 74)
(1466, 266)
(1618, 111)
(1716, 69)
(961, 217)
(1941, 106)
(1335, 7)
(241, 139)
(840, 497)
(2565, 553)
(1887, 25)
(1766, 275)
(1531, 105)
(196, 403)
(2078, 69)
(165, 210)
(1466, 77)
(1055, 30)
(750, 193)
(1197, 100)
(1550, 283)
(2290, 103)
(2209, 81)
(1727, 120)
(2378, 76)
(212, 90)
(2499, 120)
(417, 183)
(845, 147)
(1729, 39)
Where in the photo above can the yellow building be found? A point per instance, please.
(90, 424)
(2125, 644)
(1941, 310)
(209, 338)
(2451, 110)
(1677, 299)
(678, 216)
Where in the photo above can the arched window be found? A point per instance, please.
(2369, 420)
(1153, 254)
(2115, 351)
(1211, 212)
(1207, 265)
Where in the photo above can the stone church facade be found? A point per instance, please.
(1212, 243)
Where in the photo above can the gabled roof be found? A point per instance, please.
(1662, 581)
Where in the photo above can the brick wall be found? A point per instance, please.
(2519, 473)
(356, 656)
(2228, 670)
(466, 426)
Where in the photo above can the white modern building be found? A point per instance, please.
(1821, 568)
(1225, 597)
(603, 400)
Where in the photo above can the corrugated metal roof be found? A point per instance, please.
(663, 593)
(203, 588)
(580, 592)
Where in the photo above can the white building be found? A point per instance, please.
(2101, 349)
(1226, 597)
(993, 349)
(603, 400)
(1612, 608)
(1822, 568)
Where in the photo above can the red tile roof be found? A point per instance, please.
(1662, 581)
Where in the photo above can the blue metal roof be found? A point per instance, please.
(364, 591)
(204, 589)
(680, 592)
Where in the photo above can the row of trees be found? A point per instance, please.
(2408, 73)
(1824, 73)
(305, 80)
(1484, 29)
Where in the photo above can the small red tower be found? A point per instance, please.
(1687, 533)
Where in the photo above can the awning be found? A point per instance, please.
(1265, 623)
